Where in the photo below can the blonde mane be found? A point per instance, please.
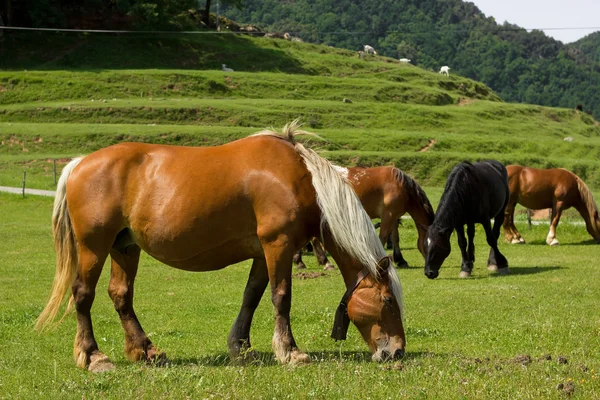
(342, 211)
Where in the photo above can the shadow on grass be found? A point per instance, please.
(513, 270)
(57, 51)
(542, 242)
(590, 242)
(267, 359)
(528, 270)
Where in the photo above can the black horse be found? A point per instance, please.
(474, 193)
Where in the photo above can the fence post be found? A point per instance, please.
(24, 177)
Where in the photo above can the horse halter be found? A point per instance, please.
(342, 320)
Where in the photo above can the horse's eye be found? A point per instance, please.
(388, 299)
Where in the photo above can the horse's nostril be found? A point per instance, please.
(385, 355)
(398, 354)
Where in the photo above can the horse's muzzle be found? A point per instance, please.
(431, 274)
(385, 355)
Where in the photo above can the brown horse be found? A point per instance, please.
(388, 193)
(554, 188)
(202, 209)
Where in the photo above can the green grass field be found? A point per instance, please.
(466, 338)
(490, 336)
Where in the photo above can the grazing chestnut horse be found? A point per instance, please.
(202, 209)
(474, 193)
(554, 188)
(388, 193)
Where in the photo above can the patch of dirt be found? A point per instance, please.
(567, 388)
(545, 357)
(309, 275)
(562, 360)
(428, 146)
(465, 102)
(522, 359)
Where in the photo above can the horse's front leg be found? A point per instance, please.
(557, 209)
(511, 233)
(278, 255)
(467, 265)
(496, 261)
(239, 336)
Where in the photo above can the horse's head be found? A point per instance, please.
(438, 249)
(375, 311)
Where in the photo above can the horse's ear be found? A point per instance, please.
(383, 265)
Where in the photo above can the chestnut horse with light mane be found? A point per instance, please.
(204, 208)
(388, 193)
(555, 188)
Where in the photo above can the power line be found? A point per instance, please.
(499, 29)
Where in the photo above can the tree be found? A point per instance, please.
(233, 3)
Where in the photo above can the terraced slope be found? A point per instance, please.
(398, 114)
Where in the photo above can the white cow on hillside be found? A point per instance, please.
(445, 70)
(404, 60)
(369, 49)
(225, 69)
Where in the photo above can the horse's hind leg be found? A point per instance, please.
(278, 254)
(298, 259)
(321, 254)
(389, 225)
(496, 261)
(239, 336)
(86, 350)
(120, 289)
(557, 209)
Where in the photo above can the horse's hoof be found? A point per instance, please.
(521, 240)
(553, 242)
(156, 357)
(329, 266)
(517, 241)
(100, 363)
(502, 271)
(492, 267)
(301, 266)
(299, 358)
(403, 265)
(464, 274)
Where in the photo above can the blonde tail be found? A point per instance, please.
(66, 250)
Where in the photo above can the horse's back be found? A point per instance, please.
(378, 188)
(495, 176)
(186, 203)
(538, 188)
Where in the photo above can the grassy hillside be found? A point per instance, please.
(400, 114)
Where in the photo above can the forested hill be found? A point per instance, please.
(589, 46)
(521, 66)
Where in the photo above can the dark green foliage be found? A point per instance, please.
(519, 66)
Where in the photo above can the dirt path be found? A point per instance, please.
(36, 192)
